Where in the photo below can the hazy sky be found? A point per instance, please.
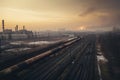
(57, 14)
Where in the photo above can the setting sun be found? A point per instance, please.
(80, 28)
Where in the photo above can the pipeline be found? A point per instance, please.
(24, 64)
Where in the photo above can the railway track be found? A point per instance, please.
(73, 61)
(83, 67)
(21, 65)
(22, 57)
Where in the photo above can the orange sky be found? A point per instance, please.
(56, 14)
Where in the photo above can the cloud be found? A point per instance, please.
(109, 13)
(88, 11)
(91, 12)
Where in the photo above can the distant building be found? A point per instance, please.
(116, 29)
(8, 31)
(14, 35)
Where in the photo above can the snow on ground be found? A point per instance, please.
(17, 49)
(41, 42)
(17, 42)
(100, 56)
(33, 43)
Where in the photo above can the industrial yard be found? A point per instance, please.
(64, 58)
(59, 55)
(59, 39)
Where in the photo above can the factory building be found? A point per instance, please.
(8, 34)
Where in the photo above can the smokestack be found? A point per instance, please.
(23, 27)
(3, 25)
(16, 28)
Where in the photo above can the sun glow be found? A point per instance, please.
(81, 28)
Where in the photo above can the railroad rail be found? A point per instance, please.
(74, 60)
(20, 66)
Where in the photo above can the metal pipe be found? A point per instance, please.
(22, 65)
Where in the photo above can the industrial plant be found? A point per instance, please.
(9, 34)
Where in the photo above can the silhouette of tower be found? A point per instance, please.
(16, 28)
(3, 28)
(23, 27)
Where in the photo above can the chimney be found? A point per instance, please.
(16, 28)
(3, 25)
(23, 27)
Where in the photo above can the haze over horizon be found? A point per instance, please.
(57, 14)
